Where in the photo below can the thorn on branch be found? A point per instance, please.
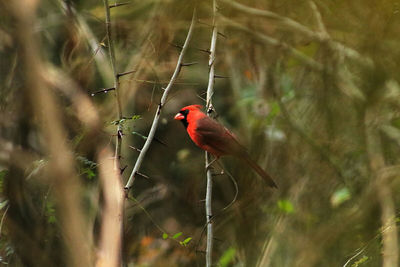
(143, 175)
(135, 148)
(159, 109)
(105, 90)
(119, 4)
(218, 174)
(210, 109)
(189, 64)
(159, 141)
(125, 73)
(175, 45)
(201, 98)
(203, 50)
(223, 35)
(123, 169)
(221, 77)
(119, 133)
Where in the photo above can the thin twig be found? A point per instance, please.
(111, 246)
(105, 90)
(119, 4)
(125, 73)
(111, 51)
(209, 108)
(321, 26)
(156, 119)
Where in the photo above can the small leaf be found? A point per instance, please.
(164, 236)
(340, 196)
(177, 235)
(360, 261)
(135, 117)
(186, 241)
(227, 257)
(285, 206)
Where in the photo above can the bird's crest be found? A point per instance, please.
(192, 107)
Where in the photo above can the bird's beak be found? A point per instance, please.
(179, 117)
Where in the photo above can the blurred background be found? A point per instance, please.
(311, 88)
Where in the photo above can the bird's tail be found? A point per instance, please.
(259, 171)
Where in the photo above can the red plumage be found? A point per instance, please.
(210, 135)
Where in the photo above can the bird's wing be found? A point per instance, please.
(214, 135)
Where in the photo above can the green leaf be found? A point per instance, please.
(340, 196)
(227, 257)
(89, 173)
(286, 206)
(275, 110)
(3, 174)
(186, 241)
(177, 235)
(135, 117)
(164, 236)
(360, 261)
(50, 212)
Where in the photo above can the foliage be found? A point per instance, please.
(311, 88)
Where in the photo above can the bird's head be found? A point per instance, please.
(182, 115)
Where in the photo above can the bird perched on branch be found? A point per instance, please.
(211, 136)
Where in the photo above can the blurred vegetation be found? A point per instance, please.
(312, 89)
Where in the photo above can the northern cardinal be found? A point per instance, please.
(210, 135)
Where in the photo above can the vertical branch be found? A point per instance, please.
(110, 235)
(156, 119)
(117, 154)
(209, 107)
(112, 220)
(390, 251)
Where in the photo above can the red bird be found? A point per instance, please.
(211, 136)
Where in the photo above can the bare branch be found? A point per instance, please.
(160, 106)
(117, 154)
(209, 107)
(390, 250)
